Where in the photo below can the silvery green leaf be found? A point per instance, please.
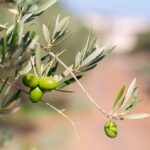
(9, 30)
(85, 50)
(136, 116)
(77, 59)
(26, 69)
(92, 56)
(120, 93)
(133, 101)
(57, 20)
(52, 70)
(60, 28)
(26, 17)
(87, 68)
(45, 6)
(33, 43)
(67, 82)
(134, 94)
(7, 90)
(64, 91)
(46, 33)
(131, 106)
(129, 93)
(33, 12)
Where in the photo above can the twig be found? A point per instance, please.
(65, 116)
(108, 115)
(80, 85)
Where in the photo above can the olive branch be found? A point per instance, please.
(22, 53)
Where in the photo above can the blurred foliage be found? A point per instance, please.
(76, 27)
(143, 42)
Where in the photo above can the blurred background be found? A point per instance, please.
(125, 24)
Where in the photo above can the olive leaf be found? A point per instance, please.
(46, 33)
(88, 58)
(136, 116)
(64, 91)
(68, 82)
(52, 70)
(60, 28)
(26, 69)
(30, 11)
(127, 99)
(120, 93)
(133, 100)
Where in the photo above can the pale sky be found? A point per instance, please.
(110, 7)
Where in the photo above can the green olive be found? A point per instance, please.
(36, 95)
(47, 83)
(110, 128)
(30, 80)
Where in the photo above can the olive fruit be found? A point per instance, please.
(30, 80)
(36, 94)
(47, 83)
(110, 128)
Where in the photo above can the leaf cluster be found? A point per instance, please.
(123, 105)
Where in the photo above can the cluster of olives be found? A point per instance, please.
(110, 128)
(38, 85)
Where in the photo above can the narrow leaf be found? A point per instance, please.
(45, 6)
(68, 82)
(120, 93)
(136, 116)
(131, 106)
(53, 70)
(26, 69)
(46, 33)
(64, 91)
(94, 55)
(77, 59)
(129, 92)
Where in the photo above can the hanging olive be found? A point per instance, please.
(110, 128)
(30, 80)
(36, 95)
(47, 83)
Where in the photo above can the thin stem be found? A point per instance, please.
(80, 85)
(65, 116)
